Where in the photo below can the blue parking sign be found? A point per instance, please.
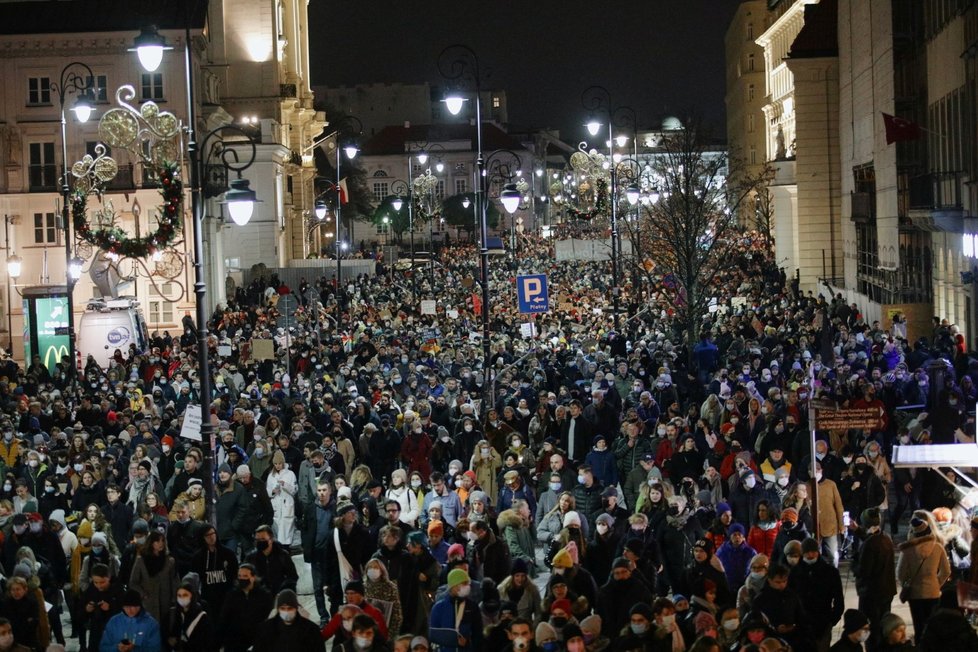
(531, 293)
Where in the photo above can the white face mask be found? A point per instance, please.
(863, 636)
(783, 481)
(183, 602)
(464, 590)
(287, 615)
(750, 481)
(373, 574)
(602, 528)
(731, 625)
(818, 476)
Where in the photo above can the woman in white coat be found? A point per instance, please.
(282, 487)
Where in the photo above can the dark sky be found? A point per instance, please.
(657, 56)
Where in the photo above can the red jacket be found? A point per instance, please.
(763, 540)
(335, 624)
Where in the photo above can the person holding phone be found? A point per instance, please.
(133, 630)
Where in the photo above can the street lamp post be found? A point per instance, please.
(400, 189)
(350, 125)
(598, 99)
(72, 82)
(240, 201)
(14, 266)
(458, 63)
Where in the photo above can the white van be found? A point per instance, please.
(108, 325)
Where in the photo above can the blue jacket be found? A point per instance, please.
(507, 496)
(143, 630)
(603, 466)
(736, 562)
(442, 631)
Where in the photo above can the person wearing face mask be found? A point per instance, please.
(379, 587)
(189, 628)
(855, 632)
(862, 489)
(245, 608)
(455, 623)
(875, 571)
(819, 587)
(746, 494)
(830, 514)
(288, 629)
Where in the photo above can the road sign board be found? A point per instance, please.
(532, 293)
(870, 418)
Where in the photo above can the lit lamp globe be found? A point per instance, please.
(149, 47)
(632, 193)
(454, 103)
(465, 202)
(397, 203)
(240, 200)
(15, 265)
(351, 151)
(320, 209)
(422, 157)
(510, 198)
(84, 106)
(75, 268)
(593, 127)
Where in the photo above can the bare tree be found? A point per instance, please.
(692, 231)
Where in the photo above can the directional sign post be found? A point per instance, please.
(532, 293)
(849, 418)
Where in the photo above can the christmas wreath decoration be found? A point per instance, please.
(150, 136)
(600, 203)
(116, 241)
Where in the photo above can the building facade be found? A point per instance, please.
(745, 98)
(801, 114)
(250, 68)
(908, 209)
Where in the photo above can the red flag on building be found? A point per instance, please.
(900, 130)
(476, 304)
(344, 192)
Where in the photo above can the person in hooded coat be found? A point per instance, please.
(675, 539)
(618, 595)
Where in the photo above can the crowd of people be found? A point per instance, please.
(597, 488)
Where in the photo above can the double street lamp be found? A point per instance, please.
(597, 99)
(239, 198)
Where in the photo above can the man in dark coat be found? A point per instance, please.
(217, 567)
(256, 508)
(97, 604)
(819, 587)
(272, 562)
(490, 553)
(245, 610)
(746, 494)
(875, 571)
(317, 545)
(675, 539)
(119, 515)
(288, 630)
(576, 433)
(230, 507)
(784, 610)
(618, 595)
(702, 569)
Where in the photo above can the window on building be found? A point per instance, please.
(461, 186)
(496, 101)
(160, 305)
(100, 87)
(440, 189)
(151, 86)
(381, 190)
(750, 63)
(750, 31)
(39, 90)
(750, 123)
(45, 229)
(753, 156)
(750, 92)
(43, 170)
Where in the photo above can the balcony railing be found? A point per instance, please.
(937, 191)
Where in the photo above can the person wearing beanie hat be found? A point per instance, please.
(188, 623)
(572, 519)
(544, 634)
(623, 589)
(922, 569)
(735, 555)
(792, 552)
(288, 629)
(894, 633)
(573, 637)
(521, 590)
(875, 571)
(450, 505)
(562, 560)
(132, 624)
(642, 625)
(355, 595)
(705, 624)
(855, 632)
(818, 585)
(705, 568)
(456, 622)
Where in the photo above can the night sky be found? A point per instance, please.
(659, 57)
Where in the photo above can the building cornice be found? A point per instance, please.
(795, 11)
(60, 46)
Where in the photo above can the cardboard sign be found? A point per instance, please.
(428, 307)
(224, 350)
(528, 330)
(191, 423)
(263, 349)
